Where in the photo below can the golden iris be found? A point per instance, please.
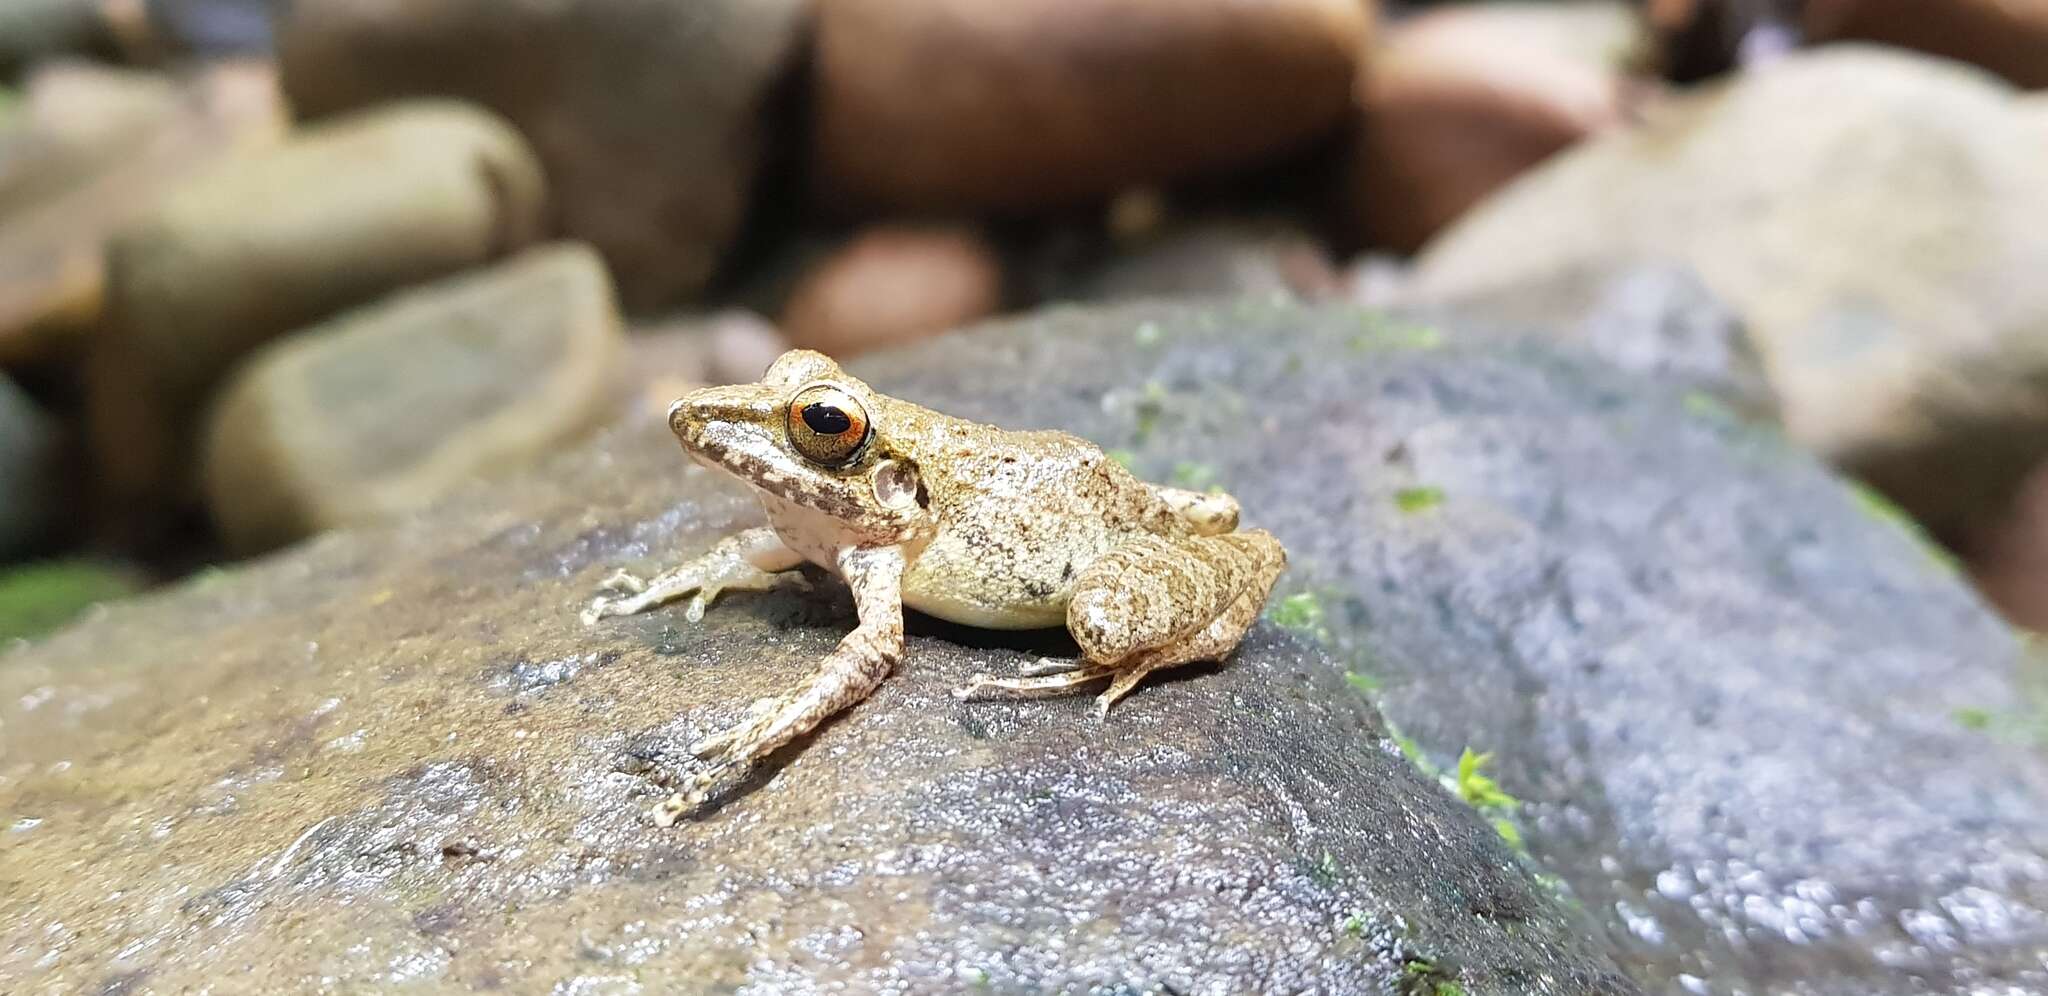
(826, 424)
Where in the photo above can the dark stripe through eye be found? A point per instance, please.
(827, 420)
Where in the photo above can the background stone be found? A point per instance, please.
(92, 149)
(270, 242)
(2008, 38)
(893, 284)
(387, 407)
(1008, 104)
(649, 114)
(1882, 240)
(1457, 101)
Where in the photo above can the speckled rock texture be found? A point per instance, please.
(392, 760)
(1765, 737)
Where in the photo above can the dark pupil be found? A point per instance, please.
(827, 420)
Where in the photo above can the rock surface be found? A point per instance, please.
(972, 105)
(267, 243)
(29, 468)
(1657, 320)
(385, 408)
(894, 284)
(1761, 734)
(649, 114)
(1883, 242)
(1214, 258)
(1458, 101)
(2008, 38)
(394, 759)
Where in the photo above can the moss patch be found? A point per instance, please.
(38, 598)
(1419, 499)
(1878, 507)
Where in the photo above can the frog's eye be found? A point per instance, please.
(826, 424)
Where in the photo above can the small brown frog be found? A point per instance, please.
(970, 523)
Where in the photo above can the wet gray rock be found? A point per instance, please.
(28, 471)
(1658, 320)
(394, 759)
(1768, 740)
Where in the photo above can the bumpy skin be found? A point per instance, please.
(966, 522)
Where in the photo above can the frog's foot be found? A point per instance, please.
(734, 562)
(1050, 666)
(1061, 682)
(717, 743)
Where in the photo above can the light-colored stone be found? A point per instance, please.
(385, 408)
(1456, 102)
(1215, 258)
(893, 284)
(271, 242)
(1880, 222)
(90, 149)
(650, 115)
(2008, 37)
(976, 104)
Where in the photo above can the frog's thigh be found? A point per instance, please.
(1256, 566)
(1154, 592)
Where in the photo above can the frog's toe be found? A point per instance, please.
(623, 581)
(598, 609)
(1048, 666)
(718, 743)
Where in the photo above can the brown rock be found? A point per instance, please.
(1010, 104)
(1459, 101)
(2009, 557)
(91, 149)
(648, 114)
(388, 407)
(271, 242)
(2008, 37)
(893, 284)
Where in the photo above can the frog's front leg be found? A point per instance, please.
(746, 560)
(844, 677)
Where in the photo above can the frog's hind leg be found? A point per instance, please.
(1154, 603)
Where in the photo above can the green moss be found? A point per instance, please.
(1508, 831)
(1124, 458)
(1366, 684)
(1324, 872)
(1301, 612)
(1973, 719)
(1151, 407)
(38, 598)
(1703, 405)
(1355, 925)
(1384, 332)
(1194, 476)
(1478, 790)
(1418, 499)
(1878, 507)
(1147, 334)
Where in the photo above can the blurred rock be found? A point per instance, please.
(893, 284)
(213, 27)
(270, 242)
(30, 499)
(2008, 555)
(2008, 37)
(1217, 258)
(1879, 220)
(649, 114)
(91, 149)
(1016, 104)
(1696, 40)
(665, 359)
(1657, 320)
(32, 30)
(387, 407)
(1457, 101)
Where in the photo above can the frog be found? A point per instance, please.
(970, 523)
